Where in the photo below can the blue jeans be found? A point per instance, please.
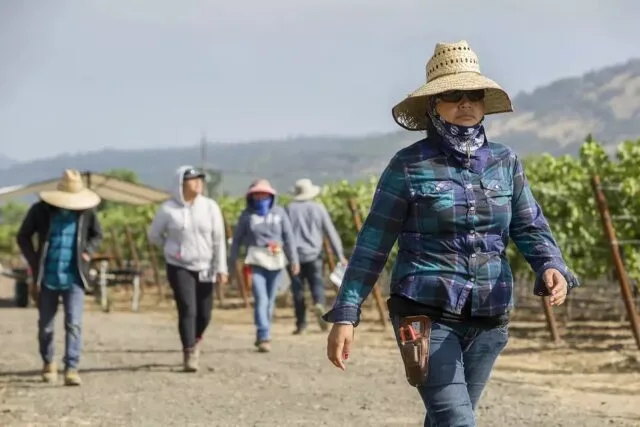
(461, 359)
(73, 303)
(265, 286)
(312, 273)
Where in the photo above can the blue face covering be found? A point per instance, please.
(262, 206)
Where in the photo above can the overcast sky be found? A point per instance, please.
(80, 75)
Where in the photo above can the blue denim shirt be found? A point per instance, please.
(61, 264)
(452, 226)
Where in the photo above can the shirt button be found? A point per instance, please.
(473, 255)
(473, 279)
(469, 186)
(472, 208)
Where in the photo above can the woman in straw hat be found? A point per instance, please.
(265, 230)
(452, 201)
(68, 232)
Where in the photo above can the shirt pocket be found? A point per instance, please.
(435, 196)
(496, 191)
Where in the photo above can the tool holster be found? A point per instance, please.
(415, 334)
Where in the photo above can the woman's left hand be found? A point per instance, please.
(557, 285)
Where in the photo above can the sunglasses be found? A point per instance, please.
(457, 95)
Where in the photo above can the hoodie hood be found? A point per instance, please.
(176, 189)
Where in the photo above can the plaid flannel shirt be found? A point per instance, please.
(452, 226)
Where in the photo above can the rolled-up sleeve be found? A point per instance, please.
(373, 244)
(531, 233)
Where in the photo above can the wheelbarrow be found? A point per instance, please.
(21, 277)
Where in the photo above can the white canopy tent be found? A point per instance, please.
(108, 188)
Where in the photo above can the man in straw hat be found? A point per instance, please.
(310, 222)
(68, 232)
(452, 201)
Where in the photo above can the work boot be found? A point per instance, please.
(190, 361)
(300, 330)
(49, 373)
(196, 348)
(319, 311)
(72, 378)
(264, 346)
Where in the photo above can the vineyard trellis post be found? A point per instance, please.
(353, 206)
(153, 260)
(327, 250)
(239, 271)
(625, 289)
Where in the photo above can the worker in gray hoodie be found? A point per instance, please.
(311, 222)
(190, 229)
(264, 229)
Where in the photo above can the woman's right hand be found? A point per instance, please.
(339, 344)
(295, 269)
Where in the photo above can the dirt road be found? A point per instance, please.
(132, 378)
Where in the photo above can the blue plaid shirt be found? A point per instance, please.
(61, 264)
(452, 226)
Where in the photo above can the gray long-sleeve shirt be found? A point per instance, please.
(310, 222)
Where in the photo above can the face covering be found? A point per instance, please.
(464, 139)
(262, 206)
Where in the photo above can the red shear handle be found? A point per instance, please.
(409, 329)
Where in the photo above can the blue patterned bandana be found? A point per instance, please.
(464, 139)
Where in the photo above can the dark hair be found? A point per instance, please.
(431, 129)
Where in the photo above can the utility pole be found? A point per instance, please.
(203, 161)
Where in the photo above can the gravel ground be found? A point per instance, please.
(132, 377)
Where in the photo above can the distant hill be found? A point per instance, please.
(5, 162)
(554, 119)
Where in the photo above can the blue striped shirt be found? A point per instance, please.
(61, 264)
(452, 226)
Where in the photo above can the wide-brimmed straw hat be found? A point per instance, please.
(453, 66)
(71, 193)
(304, 189)
(261, 186)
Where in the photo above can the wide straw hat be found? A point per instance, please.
(304, 189)
(261, 186)
(453, 66)
(71, 193)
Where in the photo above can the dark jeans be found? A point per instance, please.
(461, 359)
(311, 272)
(194, 300)
(73, 303)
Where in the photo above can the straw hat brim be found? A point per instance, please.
(411, 113)
(83, 199)
(307, 194)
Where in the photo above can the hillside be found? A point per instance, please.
(554, 119)
(5, 161)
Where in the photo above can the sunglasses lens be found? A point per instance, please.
(451, 96)
(475, 95)
(456, 95)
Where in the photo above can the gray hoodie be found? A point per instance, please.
(192, 235)
(253, 230)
